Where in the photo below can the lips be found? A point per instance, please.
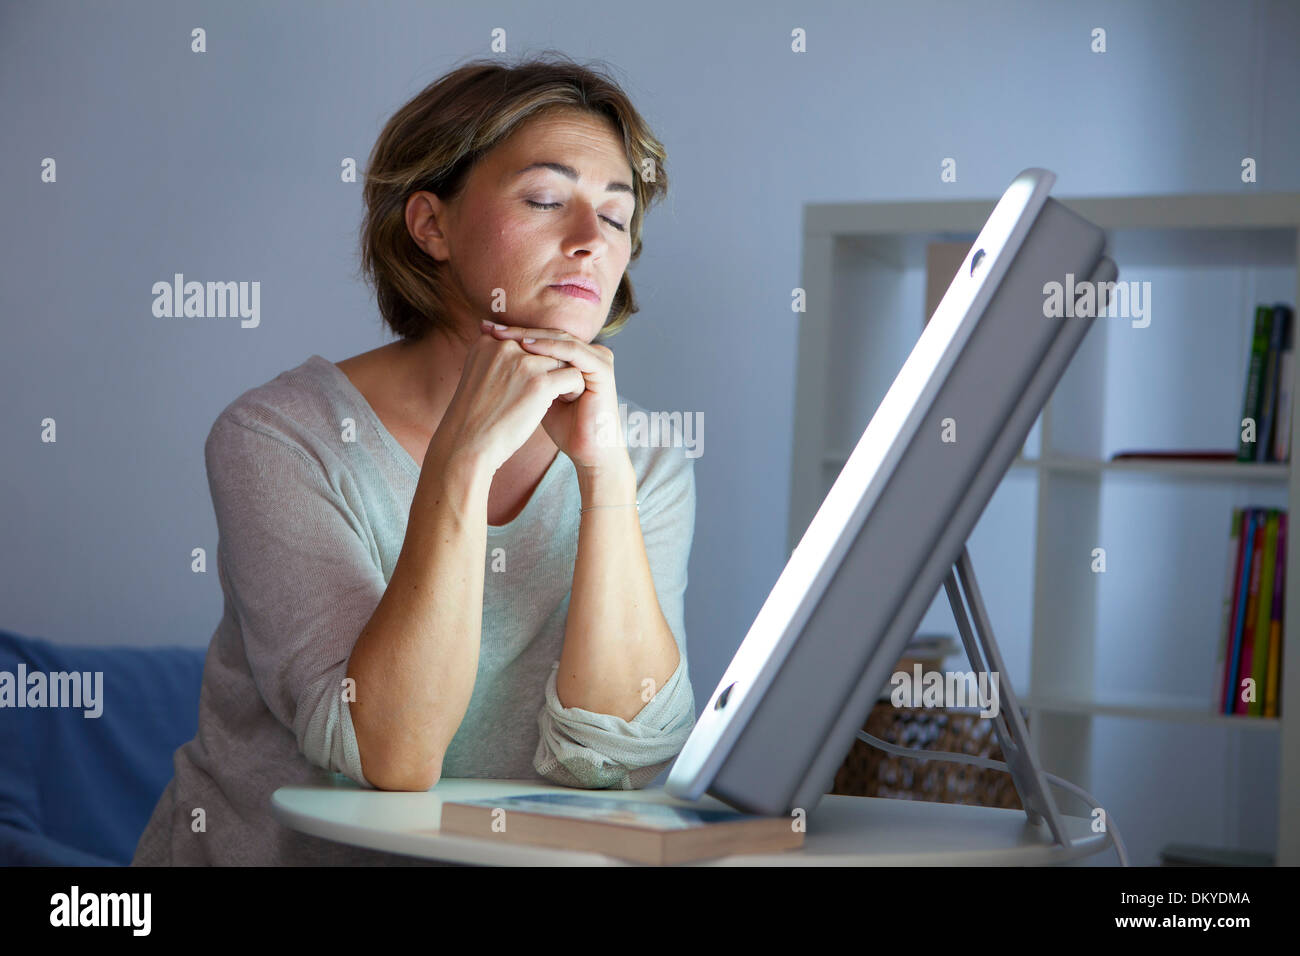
(579, 280)
(577, 292)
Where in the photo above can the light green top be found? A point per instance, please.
(310, 528)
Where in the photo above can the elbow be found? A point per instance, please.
(393, 757)
(389, 771)
(391, 766)
(416, 782)
(409, 778)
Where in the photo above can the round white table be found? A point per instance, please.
(842, 830)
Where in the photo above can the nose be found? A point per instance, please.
(582, 232)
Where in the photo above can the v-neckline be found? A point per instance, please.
(409, 462)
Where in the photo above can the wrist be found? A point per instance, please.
(610, 483)
(466, 470)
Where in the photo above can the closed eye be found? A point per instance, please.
(554, 205)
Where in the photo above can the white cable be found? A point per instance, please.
(1078, 791)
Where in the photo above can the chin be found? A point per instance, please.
(583, 329)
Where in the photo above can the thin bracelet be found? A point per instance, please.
(637, 506)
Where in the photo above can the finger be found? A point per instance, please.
(567, 375)
(519, 332)
(515, 331)
(576, 353)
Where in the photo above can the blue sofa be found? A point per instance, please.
(78, 790)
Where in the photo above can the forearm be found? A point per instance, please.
(616, 636)
(415, 661)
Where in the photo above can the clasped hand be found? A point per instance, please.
(587, 428)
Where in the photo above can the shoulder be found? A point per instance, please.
(299, 409)
(662, 446)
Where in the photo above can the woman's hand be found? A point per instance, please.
(587, 427)
(503, 392)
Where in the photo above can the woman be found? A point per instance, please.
(433, 557)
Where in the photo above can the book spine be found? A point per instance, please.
(1225, 620)
(1268, 393)
(1254, 374)
(1263, 626)
(1240, 706)
(1275, 631)
(1239, 610)
(1285, 383)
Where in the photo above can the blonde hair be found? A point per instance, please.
(434, 141)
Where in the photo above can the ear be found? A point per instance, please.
(426, 215)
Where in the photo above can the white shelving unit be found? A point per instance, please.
(863, 273)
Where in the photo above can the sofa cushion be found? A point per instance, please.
(90, 783)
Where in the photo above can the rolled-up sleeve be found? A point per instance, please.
(580, 748)
(301, 581)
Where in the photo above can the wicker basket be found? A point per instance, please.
(868, 771)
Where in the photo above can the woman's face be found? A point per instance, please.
(519, 228)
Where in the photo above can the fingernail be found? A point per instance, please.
(530, 340)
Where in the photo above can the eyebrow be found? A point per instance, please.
(571, 173)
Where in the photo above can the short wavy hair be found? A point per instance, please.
(433, 142)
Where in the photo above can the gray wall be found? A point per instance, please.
(225, 166)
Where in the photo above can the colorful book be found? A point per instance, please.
(1275, 631)
(639, 830)
(1247, 647)
(1263, 626)
(1281, 450)
(1239, 609)
(1268, 392)
(1225, 620)
(1239, 613)
(1255, 380)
